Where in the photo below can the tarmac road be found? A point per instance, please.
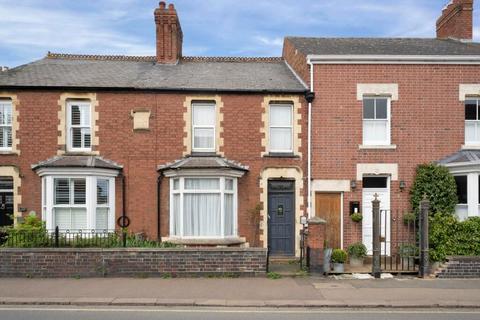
(148, 313)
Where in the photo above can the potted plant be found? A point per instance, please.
(339, 257)
(356, 217)
(356, 253)
(408, 252)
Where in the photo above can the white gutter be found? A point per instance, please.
(393, 59)
(309, 147)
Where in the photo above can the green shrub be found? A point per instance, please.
(31, 233)
(408, 250)
(356, 217)
(339, 256)
(437, 183)
(274, 276)
(448, 236)
(357, 250)
(409, 218)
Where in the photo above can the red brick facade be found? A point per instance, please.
(140, 152)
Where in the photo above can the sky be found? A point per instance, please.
(31, 28)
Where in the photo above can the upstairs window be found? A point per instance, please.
(203, 127)
(376, 121)
(5, 125)
(281, 128)
(79, 126)
(472, 122)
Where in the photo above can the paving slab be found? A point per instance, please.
(211, 303)
(285, 303)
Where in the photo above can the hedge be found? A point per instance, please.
(450, 237)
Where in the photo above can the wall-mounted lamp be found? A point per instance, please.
(402, 185)
(353, 184)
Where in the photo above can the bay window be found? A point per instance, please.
(281, 128)
(203, 126)
(376, 121)
(203, 207)
(79, 126)
(5, 125)
(78, 202)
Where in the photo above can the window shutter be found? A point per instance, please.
(62, 191)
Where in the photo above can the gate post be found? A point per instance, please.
(315, 244)
(424, 269)
(376, 268)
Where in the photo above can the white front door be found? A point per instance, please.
(381, 187)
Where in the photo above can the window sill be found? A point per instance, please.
(281, 155)
(379, 147)
(8, 153)
(203, 154)
(206, 241)
(471, 147)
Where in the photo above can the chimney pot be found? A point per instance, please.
(162, 4)
(171, 7)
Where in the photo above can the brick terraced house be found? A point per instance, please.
(234, 151)
(188, 147)
(382, 106)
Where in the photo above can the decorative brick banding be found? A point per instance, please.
(82, 262)
(460, 267)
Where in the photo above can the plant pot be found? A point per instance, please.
(338, 267)
(356, 262)
(327, 257)
(408, 263)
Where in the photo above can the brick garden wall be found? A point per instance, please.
(460, 267)
(59, 263)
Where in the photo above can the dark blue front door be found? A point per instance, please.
(281, 217)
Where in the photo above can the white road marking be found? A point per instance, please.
(206, 310)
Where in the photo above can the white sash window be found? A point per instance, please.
(472, 122)
(5, 125)
(79, 126)
(203, 127)
(376, 121)
(281, 128)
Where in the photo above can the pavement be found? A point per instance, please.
(309, 291)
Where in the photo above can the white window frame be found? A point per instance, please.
(386, 142)
(48, 203)
(222, 191)
(194, 126)
(6, 146)
(70, 127)
(475, 122)
(284, 105)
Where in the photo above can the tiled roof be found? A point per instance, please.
(143, 73)
(77, 162)
(462, 156)
(384, 46)
(203, 162)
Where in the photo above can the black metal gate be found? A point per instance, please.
(399, 242)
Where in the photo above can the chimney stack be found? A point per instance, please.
(169, 34)
(456, 21)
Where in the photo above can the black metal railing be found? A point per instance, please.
(63, 238)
